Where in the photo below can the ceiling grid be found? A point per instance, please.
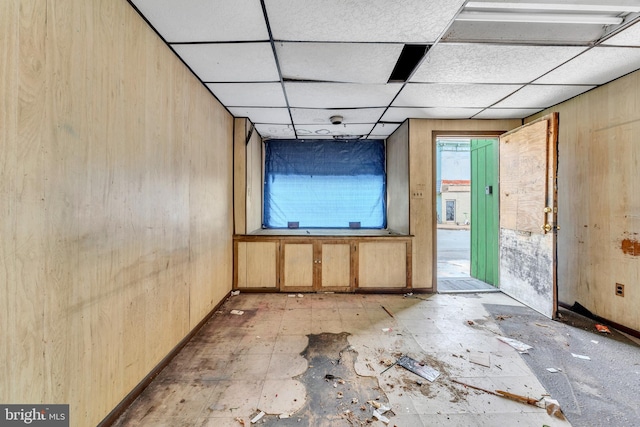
(289, 65)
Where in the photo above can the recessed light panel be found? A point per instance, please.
(628, 37)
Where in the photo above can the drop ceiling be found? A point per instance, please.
(289, 65)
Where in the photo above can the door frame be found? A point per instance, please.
(434, 226)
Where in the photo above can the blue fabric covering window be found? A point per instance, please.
(324, 184)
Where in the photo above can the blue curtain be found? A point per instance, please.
(324, 184)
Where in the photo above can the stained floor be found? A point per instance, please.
(327, 360)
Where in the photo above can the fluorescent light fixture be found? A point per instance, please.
(548, 18)
(553, 7)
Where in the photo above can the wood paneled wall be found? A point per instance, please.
(398, 180)
(422, 208)
(248, 175)
(116, 198)
(599, 200)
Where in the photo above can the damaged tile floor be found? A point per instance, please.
(324, 360)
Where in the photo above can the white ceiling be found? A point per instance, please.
(289, 65)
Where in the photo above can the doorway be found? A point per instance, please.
(461, 171)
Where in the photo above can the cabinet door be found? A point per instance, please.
(382, 265)
(297, 267)
(335, 266)
(256, 265)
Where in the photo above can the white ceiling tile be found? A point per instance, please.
(452, 95)
(263, 115)
(408, 21)
(398, 114)
(541, 96)
(275, 131)
(596, 66)
(230, 62)
(310, 131)
(322, 115)
(338, 62)
(339, 95)
(506, 113)
(628, 37)
(384, 129)
(205, 20)
(490, 63)
(249, 94)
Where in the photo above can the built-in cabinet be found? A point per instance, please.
(322, 264)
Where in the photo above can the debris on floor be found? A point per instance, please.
(235, 293)
(603, 329)
(237, 312)
(240, 420)
(470, 322)
(480, 358)
(257, 417)
(420, 369)
(553, 408)
(518, 345)
(554, 370)
(502, 316)
(501, 393)
(388, 312)
(580, 356)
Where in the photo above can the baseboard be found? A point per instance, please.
(113, 416)
(595, 317)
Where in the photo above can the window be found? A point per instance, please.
(324, 184)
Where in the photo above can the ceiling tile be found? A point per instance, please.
(384, 129)
(338, 62)
(262, 115)
(541, 96)
(249, 94)
(205, 20)
(321, 116)
(339, 95)
(506, 113)
(596, 66)
(275, 131)
(409, 21)
(399, 114)
(230, 62)
(490, 63)
(311, 131)
(452, 95)
(628, 37)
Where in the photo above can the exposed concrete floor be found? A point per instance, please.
(602, 391)
(275, 358)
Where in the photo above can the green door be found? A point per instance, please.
(484, 210)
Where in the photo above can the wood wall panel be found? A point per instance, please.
(398, 180)
(116, 172)
(255, 178)
(422, 220)
(599, 200)
(240, 175)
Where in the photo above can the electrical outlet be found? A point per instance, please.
(620, 289)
